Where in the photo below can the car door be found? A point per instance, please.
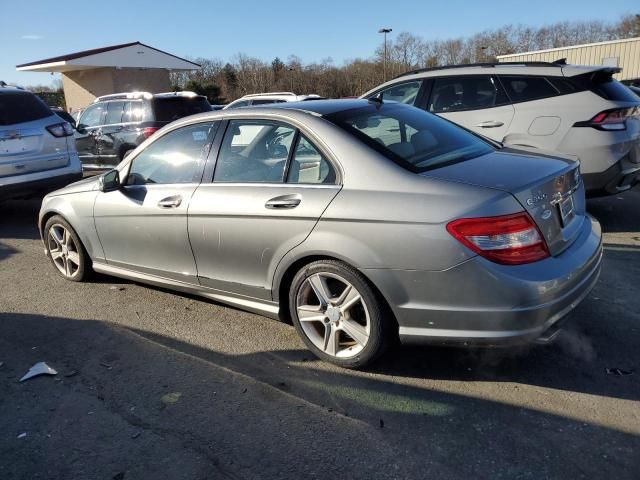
(89, 123)
(476, 102)
(143, 225)
(107, 136)
(270, 186)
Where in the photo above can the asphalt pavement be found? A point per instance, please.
(158, 385)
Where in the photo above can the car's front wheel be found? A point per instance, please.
(65, 250)
(338, 314)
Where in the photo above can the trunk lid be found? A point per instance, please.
(548, 187)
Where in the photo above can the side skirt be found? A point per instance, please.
(261, 307)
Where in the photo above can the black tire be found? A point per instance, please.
(382, 332)
(84, 270)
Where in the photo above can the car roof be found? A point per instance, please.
(320, 107)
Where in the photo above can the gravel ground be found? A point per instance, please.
(158, 385)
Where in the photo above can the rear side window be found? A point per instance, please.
(402, 93)
(172, 108)
(604, 85)
(525, 89)
(465, 93)
(254, 152)
(133, 112)
(20, 107)
(114, 113)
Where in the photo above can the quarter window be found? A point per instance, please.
(308, 165)
(177, 157)
(524, 89)
(465, 93)
(402, 93)
(254, 152)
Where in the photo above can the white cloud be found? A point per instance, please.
(31, 37)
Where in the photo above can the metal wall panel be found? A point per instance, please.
(627, 51)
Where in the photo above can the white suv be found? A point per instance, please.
(274, 97)
(37, 148)
(572, 109)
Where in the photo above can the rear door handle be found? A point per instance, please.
(490, 124)
(170, 202)
(283, 202)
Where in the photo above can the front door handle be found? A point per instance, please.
(490, 124)
(173, 201)
(283, 202)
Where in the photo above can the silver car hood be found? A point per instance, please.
(85, 185)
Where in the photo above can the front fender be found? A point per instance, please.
(77, 210)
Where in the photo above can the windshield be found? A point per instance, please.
(417, 140)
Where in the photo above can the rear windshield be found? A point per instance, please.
(173, 108)
(20, 107)
(413, 138)
(606, 86)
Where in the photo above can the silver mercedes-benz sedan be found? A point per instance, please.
(359, 221)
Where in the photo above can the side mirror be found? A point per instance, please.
(110, 181)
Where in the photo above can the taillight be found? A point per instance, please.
(63, 129)
(148, 131)
(507, 239)
(611, 119)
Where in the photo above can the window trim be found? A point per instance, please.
(496, 81)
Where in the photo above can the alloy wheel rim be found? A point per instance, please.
(63, 251)
(333, 315)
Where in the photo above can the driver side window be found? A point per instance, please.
(92, 116)
(177, 157)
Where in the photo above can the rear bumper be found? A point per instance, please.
(616, 179)
(27, 187)
(483, 303)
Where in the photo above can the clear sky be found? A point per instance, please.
(37, 29)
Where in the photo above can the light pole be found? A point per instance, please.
(384, 61)
(291, 69)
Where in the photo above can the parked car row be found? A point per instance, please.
(306, 201)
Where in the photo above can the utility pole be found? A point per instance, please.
(291, 69)
(384, 61)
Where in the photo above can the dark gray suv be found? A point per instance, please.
(114, 125)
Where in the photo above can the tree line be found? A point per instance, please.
(223, 82)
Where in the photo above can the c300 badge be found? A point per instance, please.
(537, 198)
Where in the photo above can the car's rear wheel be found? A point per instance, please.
(65, 250)
(338, 314)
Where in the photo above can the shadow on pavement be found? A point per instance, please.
(110, 416)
